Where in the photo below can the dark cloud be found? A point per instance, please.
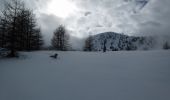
(87, 13)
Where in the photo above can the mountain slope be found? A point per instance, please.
(117, 42)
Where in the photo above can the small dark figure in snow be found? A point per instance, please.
(54, 56)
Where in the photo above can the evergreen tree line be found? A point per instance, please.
(18, 28)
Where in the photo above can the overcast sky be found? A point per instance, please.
(84, 17)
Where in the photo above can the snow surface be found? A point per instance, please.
(134, 75)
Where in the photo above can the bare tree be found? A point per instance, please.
(88, 44)
(104, 45)
(18, 28)
(10, 15)
(37, 41)
(3, 32)
(60, 40)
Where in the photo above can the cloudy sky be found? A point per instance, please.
(84, 17)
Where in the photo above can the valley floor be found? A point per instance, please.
(134, 75)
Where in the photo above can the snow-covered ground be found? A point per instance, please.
(134, 75)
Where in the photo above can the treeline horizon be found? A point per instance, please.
(19, 30)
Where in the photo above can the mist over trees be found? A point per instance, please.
(88, 44)
(18, 28)
(60, 40)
